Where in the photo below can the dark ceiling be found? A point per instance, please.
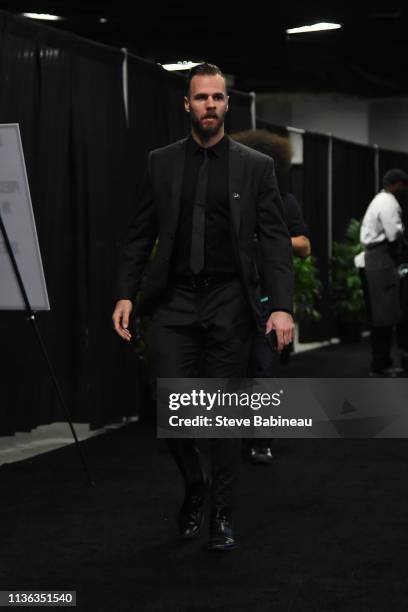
(367, 57)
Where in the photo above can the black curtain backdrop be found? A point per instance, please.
(84, 164)
(391, 159)
(353, 187)
(67, 97)
(177, 119)
(315, 204)
(85, 161)
(147, 111)
(239, 115)
(104, 185)
(353, 183)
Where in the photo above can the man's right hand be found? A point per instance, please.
(120, 318)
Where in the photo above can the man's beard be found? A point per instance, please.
(210, 130)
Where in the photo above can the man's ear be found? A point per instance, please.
(227, 109)
(186, 104)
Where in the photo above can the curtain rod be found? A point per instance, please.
(295, 130)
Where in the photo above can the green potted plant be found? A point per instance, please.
(307, 288)
(347, 296)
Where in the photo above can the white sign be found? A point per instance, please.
(18, 218)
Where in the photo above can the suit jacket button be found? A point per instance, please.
(236, 195)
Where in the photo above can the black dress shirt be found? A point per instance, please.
(219, 251)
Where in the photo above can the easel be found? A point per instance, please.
(32, 318)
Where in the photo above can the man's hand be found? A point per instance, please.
(120, 318)
(301, 246)
(284, 327)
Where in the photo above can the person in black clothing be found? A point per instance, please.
(381, 234)
(204, 198)
(264, 361)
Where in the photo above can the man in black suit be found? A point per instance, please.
(204, 198)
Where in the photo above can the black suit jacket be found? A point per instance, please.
(256, 208)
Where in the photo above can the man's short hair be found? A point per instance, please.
(203, 69)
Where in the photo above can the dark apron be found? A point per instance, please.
(383, 286)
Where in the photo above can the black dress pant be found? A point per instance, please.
(402, 328)
(381, 345)
(203, 333)
(381, 336)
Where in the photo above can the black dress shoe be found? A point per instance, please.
(221, 532)
(261, 454)
(191, 515)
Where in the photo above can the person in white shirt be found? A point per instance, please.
(381, 233)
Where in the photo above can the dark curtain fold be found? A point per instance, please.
(147, 112)
(19, 95)
(353, 183)
(177, 120)
(239, 114)
(315, 204)
(101, 196)
(67, 97)
(391, 159)
(85, 163)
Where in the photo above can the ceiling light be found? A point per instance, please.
(103, 20)
(180, 65)
(316, 27)
(42, 16)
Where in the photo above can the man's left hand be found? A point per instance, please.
(282, 323)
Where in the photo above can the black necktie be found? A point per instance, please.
(198, 225)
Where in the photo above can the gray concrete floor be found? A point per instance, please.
(46, 438)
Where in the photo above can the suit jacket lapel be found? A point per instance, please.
(177, 172)
(235, 182)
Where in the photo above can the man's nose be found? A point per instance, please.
(210, 102)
